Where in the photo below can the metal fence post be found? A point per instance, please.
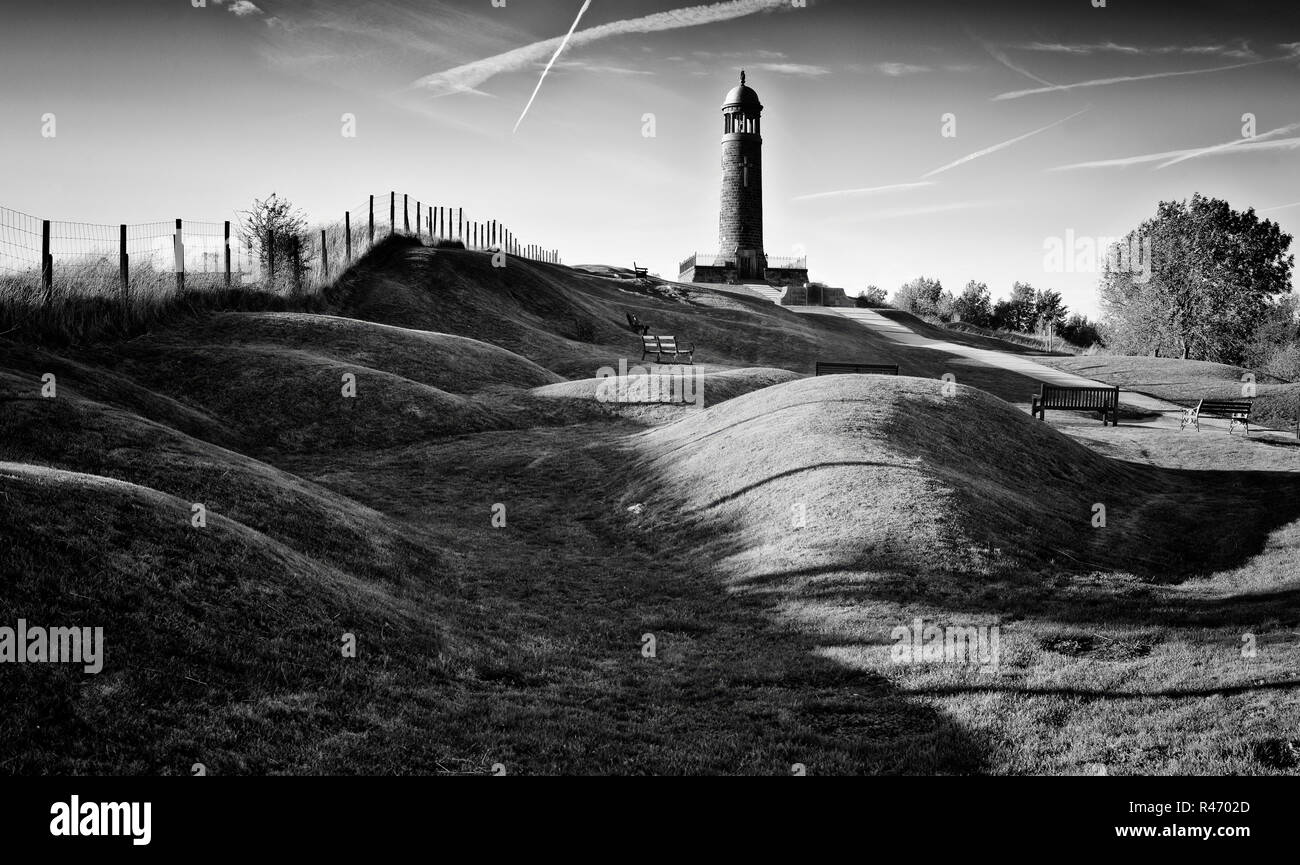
(180, 257)
(124, 267)
(47, 263)
(227, 249)
(347, 236)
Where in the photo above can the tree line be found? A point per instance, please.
(1026, 310)
(1216, 286)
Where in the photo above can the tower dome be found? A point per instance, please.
(742, 96)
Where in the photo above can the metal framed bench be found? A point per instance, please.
(639, 272)
(831, 368)
(666, 346)
(1053, 396)
(635, 324)
(1237, 411)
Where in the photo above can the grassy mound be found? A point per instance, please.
(575, 323)
(73, 435)
(714, 386)
(220, 645)
(451, 363)
(894, 476)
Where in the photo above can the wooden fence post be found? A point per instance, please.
(47, 263)
(372, 220)
(226, 244)
(406, 214)
(419, 211)
(347, 236)
(124, 267)
(296, 264)
(180, 257)
(324, 258)
(460, 225)
(392, 212)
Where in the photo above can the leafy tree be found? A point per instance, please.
(1078, 330)
(275, 228)
(1049, 309)
(1213, 273)
(974, 305)
(1018, 312)
(919, 296)
(873, 296)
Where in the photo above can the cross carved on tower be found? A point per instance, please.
(745, 165)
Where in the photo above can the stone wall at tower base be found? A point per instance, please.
(725, 273)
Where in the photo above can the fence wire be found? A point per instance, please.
(158, 259)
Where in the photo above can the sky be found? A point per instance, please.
(954, 140)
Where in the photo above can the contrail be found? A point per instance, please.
(1250, 146)
(554, 57)
(468, 77)
(1002, 58)
(1101, 82)
(1237, 142)
(996, 147)
(873, 190)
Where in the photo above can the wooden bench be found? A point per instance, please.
(1102, 399)
(825, 368)
(635, 324)
(1237, 411)
(639, 272)
(666, 346)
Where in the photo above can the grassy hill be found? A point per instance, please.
(523, 642)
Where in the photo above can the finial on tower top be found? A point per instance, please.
(742, 76)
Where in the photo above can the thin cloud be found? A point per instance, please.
(242, 8)
(1102, 82)
(897, 70)
(600, 68)
(1239, 51)
(468, 77)
(1127, 161)
(870, 190)
(929, 209)
(798, 69)
(1280, 207)
(1236, 142)
(970, 157)
(1000, 56)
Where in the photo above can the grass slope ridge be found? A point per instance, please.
(893, 475)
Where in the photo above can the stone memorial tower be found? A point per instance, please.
(740, 219)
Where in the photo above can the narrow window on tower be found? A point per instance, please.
(744, 171)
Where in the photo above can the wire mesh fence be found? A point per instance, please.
(46, 263)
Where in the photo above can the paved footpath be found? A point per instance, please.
(1169, 413)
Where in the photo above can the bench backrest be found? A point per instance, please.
(1058, 396)
(668, 344)
(651, 343)
(1224, 406)
(827, 368)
